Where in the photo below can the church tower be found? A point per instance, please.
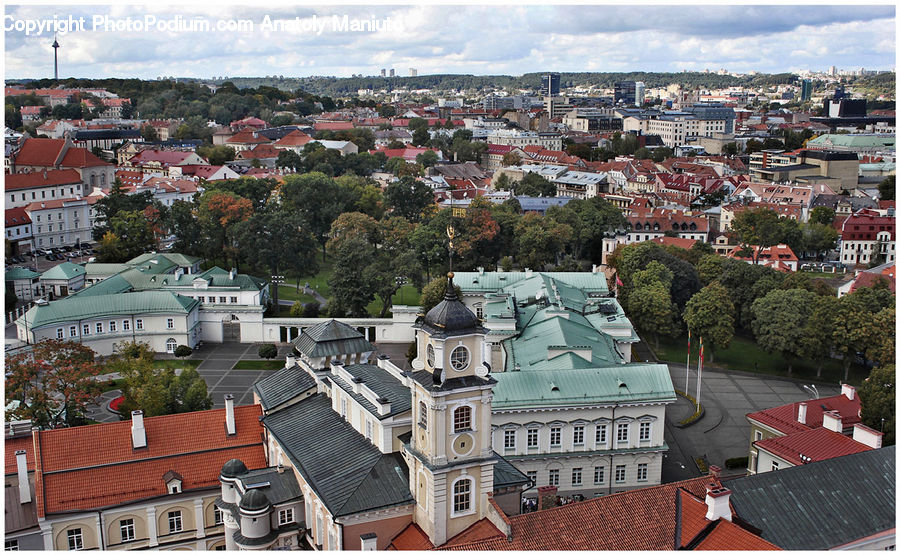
(450, 458)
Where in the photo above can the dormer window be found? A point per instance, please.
(173, 482)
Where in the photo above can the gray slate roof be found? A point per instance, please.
(281, 386)
(283, 486)
(382, 384)
(331, 338)
(505, 474)
(348, 473)
(821, 505)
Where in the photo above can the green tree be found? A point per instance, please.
(540, 241)
(351, 289)
(408, 198)
(183, 351)
(822, 215)
(277, 241)
(297, 309)
(779, 320)
(877, 397)
(510, 159)
(887, 189)
(182, 221)
(217, 155)
(218, 212)
(433, 293)
(730, 149)
(816, 339)
(427, 159)
(53, 384)
(318, 199)
(662, 153)
(710, 314)
(267, 350)
(650, 305)
(289, 159)
(709, 268)
(757, 227)
(534, 185)
(857, 329)
(420, 137)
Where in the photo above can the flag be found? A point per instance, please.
(689, 341)
(701, 349)
(619, 281)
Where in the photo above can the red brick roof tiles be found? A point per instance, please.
(16, 216)
(818, 444)
(77, 157)
(13, 444)
(47, 178)
(332, 125)
(728, 536)
(865, 225)
(259, 151)
(784, 418)
(412, 538)
(869, 278)
(246, 137)
(679, 242)
(294, 138)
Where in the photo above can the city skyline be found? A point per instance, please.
(345, 40)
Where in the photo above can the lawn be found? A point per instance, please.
(408, 295)
(745, 355)
(259, 365)
(183, 363)
(290, 293)
(318, 282)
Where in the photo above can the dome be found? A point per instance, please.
(451, 315)
(254, 500)
(233, 468)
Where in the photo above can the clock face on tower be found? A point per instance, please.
(463, 444)
(459, 358)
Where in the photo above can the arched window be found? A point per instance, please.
(637, 226)
(423, 415)
(462, 496)
(462, 419)
(170, 345)
(429, 355)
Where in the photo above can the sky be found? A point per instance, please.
(186, 40)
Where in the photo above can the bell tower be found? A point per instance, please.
(450, 458)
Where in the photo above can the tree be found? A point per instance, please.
(730, 149)
(420, 137)
(311, 310)
(709, 268)
(857, 330)
(155, 391)
(427, 159)
(822, 215)
(540, 241)
(433, 293)
(887, 189)
(183, 223)
(268, 350)
(779, 320)
(642, 153)
(289, 159)
(351, 289)
(183, 351)
(659, 154)
(535, 185)
(877, 397)
(275, 242)
(650, 304)
(297, 309)
(408, 198)
(53, 384)
(710, 314)
(510, 159)
(759, 227)
(217, 213)
(318, 199)
(217, 155)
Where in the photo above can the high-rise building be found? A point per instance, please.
(392, 72)
(625, 93)
(550, 84)
(639, 89)
(413, 72)
(383, 72)
(805, 90)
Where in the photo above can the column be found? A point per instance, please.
(47, 536)
(151, 526)
(198, 518)
(99, 522)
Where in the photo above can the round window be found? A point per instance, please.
(429, 356)
(459, 358)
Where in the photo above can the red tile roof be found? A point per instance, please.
(200, 170)
(46, 178)
(294, 138)
(332, 125)
(259, 151)
(728, 536)
(45, 152)
(16, 216)
(865, 225)
(680, 242)
(784, 418)
(779, 253)
(130, 177)
(164, 157)
(818, 444)
(412, 538)
(89, 467)
(870, 278)
(13, 444)
(53, 204)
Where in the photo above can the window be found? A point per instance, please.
(171, 344)
(462, 419)
(99, 327)
(578, 435)
(576, 476)
(175, 522)
(369, 430)
(76, 539)
(112, 325)
(757, 435)
(126, 526)
(138, 324)
(462, 495)
(479, 311)
(222, 300)
(599, 477)
(622, 432)
(85, 329)
(644, 433)
(509, 439)
(217, 515)
(73, 331)
(170, 323)
(126, 325)
(642, 472)
(285, 516)
(554, 477)
(59, 333)
(429, 355)
(532, 476)
(343, 407)
(201, 299)
(532, 437)
(620, 473)
(459, 358)
(774, 465)
(423, 415)
(11, 545)
(600, 434)
(234, 300)
(555, 436)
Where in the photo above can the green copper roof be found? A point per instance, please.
(111, 285)
(20, 273)
(171, 258)
(853, 140)
(81, 307)
(64, 270)
(588, 282)
(104, 269)
(583, 386)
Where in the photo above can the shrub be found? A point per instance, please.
(268, 351)
(311, 310)
(736, 462)
(182, 351)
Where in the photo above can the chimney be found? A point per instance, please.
(22, 468)
(546, 497)
(368, 542)
(229, 414)
(862, 434)
(831, 419)
(801, 413)
(848, 391)
(232, 273)
(715, 471)
(138, 434)
(717, 497)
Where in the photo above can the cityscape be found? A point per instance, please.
(366, 278)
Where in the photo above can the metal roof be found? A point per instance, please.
(282, 386)
(583, 386)
(79, 307)
(280, 487)
(472, 282)
(331, 338)
(64, 270)
(17, 272)
(382, 383)
(346, 471)
(111, 285)
(821, 505)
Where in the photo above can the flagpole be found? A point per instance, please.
(699, 372)
(688, 364)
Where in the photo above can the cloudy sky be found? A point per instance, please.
(477, 39)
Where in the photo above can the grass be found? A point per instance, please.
(318, 282)
(743, 354)
(183, 363)
(258, 365)
(290, 293)
(408, 295)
